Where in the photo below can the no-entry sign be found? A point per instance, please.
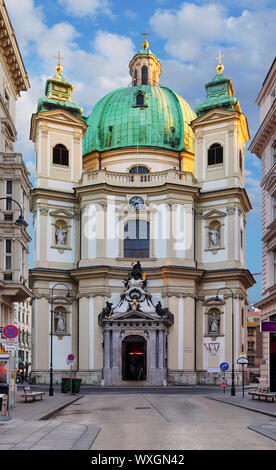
(10, 331)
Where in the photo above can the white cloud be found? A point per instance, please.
(93, 72)
(188, 29)
(30, 167)
(86, 7)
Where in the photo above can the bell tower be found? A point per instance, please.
(145, 68)
(57, 129)
(221, 131)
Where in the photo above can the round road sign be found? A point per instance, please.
(224, 366)
(10, 331)
(70, 357)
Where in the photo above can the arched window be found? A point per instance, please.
(136, 239)
(144, 75)
(215, 154)
(60, 155)
(140, 99)
(139, 169)
(135, 77)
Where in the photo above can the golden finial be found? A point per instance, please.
(145, 43)
(220, 66)
(59, 67)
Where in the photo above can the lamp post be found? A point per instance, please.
(233, 392)
(68, 296)
(20, 222)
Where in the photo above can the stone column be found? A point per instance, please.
(106, 368)
(152, 357)
(117, 357)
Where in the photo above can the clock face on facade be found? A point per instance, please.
(136, 202)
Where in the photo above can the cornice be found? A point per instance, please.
(228, 193)
(265, 132)
(11, 53)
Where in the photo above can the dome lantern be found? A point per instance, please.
(145, 68)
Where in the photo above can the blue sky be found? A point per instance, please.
(97, 38)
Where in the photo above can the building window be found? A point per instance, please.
(240, 159)
(140, 99)
(274, 261)
(144, 75)
(8, 255)
(274, 153)
(23, 261)
(9, 189)
(274, 206)
(135, 77)
(215, 154)
(60, 155)
(136, 239)
(139, 169)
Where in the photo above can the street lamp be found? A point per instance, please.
(20, 222)
(233, 393)
(68, 296)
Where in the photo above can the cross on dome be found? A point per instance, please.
(59, 67)
(145, 43)
(220, 67)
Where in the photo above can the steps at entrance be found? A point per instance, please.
(133, 383)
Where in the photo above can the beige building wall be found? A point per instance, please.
(264, 146)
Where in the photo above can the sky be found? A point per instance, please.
(98, 38)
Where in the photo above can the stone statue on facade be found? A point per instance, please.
(61, 323)
(106, 312)
(213, 324)
(61, 235)
(214, 238)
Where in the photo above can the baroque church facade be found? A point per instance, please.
(139, 212)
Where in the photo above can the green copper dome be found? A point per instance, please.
(144, 116)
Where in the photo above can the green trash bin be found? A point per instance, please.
(65, 385)
(76, 383)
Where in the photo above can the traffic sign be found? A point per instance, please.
(242, 360)
(224, 366)
(10, 331)
(71, 357)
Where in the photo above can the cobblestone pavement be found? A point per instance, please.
(131, 421)
(163, 422)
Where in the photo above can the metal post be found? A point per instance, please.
(51, 388)
(233, 392)
(233, 345)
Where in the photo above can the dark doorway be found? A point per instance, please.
(134, 359)
(273, 362)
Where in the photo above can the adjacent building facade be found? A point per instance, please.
(264, 146)
(14, 180)
(254, 342)
(139, 212)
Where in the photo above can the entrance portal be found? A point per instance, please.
(134, 361)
